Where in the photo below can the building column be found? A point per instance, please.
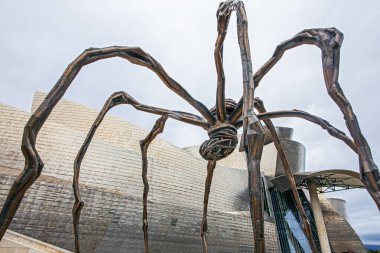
(318, 216)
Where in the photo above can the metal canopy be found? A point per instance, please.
(326, 180)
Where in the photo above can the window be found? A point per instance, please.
(174, 222)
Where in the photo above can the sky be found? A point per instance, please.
(39, 38)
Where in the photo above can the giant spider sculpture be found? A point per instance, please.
(221, 123)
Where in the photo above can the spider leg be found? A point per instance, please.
(253, 137)
(210, 171)
(78, 204)
(125, 98)
(223, 20)
(333, 131)
(237, 112)
(253, 145)
(28, 176)
(266, 116)
(223, 15)
(254, 133)
(329, 41)
(144, 144)
(259, 104)
(33, 163)
(115, 99)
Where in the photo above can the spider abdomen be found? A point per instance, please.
(222, 143)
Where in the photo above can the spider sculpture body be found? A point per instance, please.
(221, 123)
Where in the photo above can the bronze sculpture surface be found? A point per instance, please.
(221, 122)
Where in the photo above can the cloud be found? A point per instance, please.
(39, 38)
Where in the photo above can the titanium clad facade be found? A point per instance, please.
(112, 188)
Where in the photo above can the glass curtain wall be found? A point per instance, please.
(290, 233)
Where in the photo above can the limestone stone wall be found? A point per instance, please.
(13, 242)
(342, 236)
(338, 205)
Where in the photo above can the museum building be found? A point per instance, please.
(112, 189)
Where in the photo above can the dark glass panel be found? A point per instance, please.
(290, 233)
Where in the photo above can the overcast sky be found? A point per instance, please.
(39, 38)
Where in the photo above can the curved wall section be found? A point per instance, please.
(112, 188)
(285, 133)
(338, 205)
(341, 235)
(295, 153)
(113, 160)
